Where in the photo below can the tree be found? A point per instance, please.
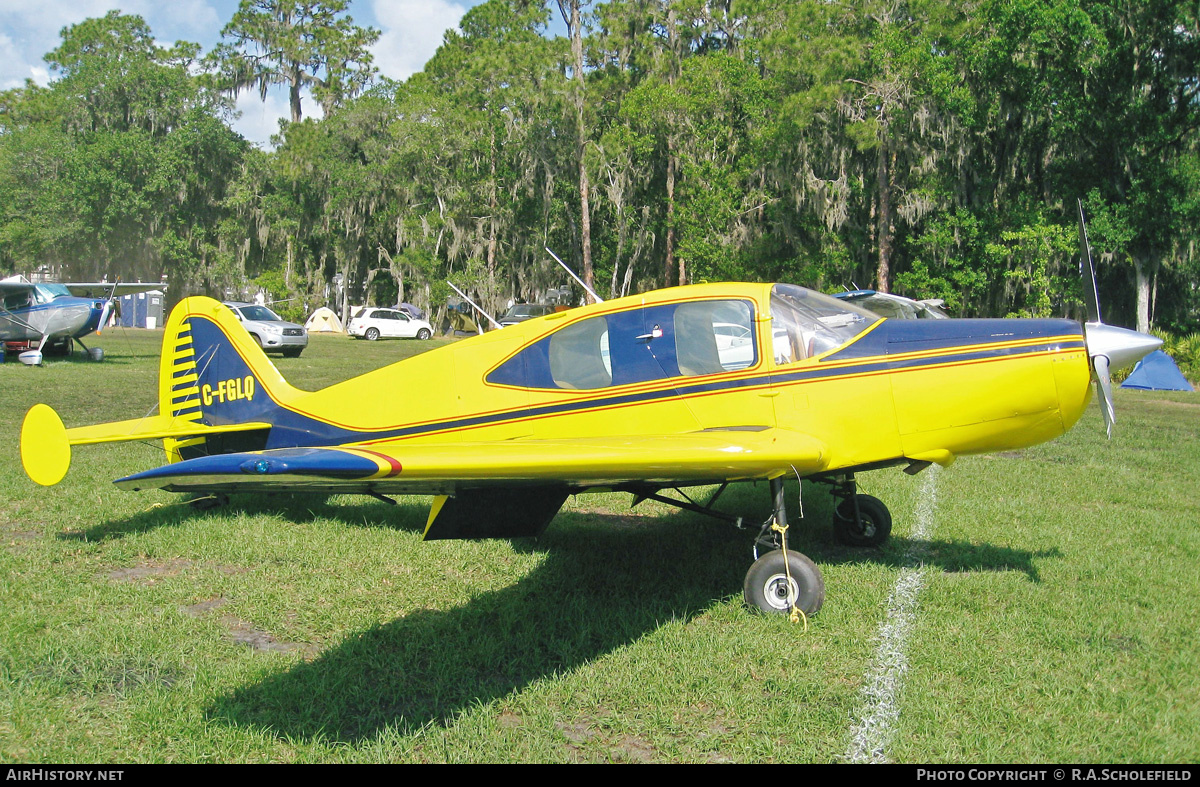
(1137, 122)
(299, 44)
(570, 10)
(119, 167)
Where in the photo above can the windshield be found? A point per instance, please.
(44, 293)
(261, 313)
(526, 310)
(807, 323)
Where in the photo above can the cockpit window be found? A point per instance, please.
(44, 293)
(713, 337)
(579, 356)
(638, 345)
(806, 323)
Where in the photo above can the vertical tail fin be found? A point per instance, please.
(212, 372)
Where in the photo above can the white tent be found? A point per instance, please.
(323, 320)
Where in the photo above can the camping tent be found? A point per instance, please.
(1157, 372)
(410, 310)
(323, 320)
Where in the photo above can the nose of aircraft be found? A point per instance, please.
(1121, 346)
(1111, 347)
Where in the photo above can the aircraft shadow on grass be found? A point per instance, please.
(606, 581)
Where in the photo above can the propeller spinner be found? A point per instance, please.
(1109, 347)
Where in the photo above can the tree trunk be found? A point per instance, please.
(294, 93)
(585, 218)
(673, 46)
(1143, 270)
(883, 225)
(670, 265)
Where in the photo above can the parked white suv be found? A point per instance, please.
(371, 323)
(272, 332)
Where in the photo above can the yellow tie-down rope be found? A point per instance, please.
(796, 613)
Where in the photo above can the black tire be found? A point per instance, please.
(257, 340)
(371, 335)
(870, 530)
(767, 588)
(423, 334)
(293, 352)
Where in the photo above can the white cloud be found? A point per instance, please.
(412, 31)
(259, 120)
(30, 30)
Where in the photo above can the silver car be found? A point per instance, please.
(269, 330)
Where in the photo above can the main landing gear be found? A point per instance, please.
(782, 580)
(859, 520)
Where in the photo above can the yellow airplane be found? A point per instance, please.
(702, 385)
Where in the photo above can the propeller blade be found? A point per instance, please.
(103, 316)
(1091, 295)
(110, 305)
(1110, 348)
(1104, 390)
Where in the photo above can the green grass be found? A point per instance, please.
(1057, 621)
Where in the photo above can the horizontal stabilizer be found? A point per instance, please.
(46, 443)
(153, 428)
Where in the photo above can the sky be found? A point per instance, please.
(410, 32)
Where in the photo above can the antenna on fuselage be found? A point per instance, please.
(478, 308)
(567, 268)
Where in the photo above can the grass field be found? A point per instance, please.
(1035, 606)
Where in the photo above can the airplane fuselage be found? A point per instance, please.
(727, 359)
(64, 316)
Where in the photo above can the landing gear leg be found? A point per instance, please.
(859, 520)
(208, 502)
(781, 580)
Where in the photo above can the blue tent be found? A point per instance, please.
(1157, 372)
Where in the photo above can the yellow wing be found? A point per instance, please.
(422, 468)
(498, 489)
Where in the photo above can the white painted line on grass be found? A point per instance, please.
(871, 736)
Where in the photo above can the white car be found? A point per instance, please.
(371, 324)
(269, 330)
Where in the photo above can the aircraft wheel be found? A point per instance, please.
(372, 334)
(423, 334)
(871, 529)
(768, 587)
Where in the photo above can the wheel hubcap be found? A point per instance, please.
(780, 592)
